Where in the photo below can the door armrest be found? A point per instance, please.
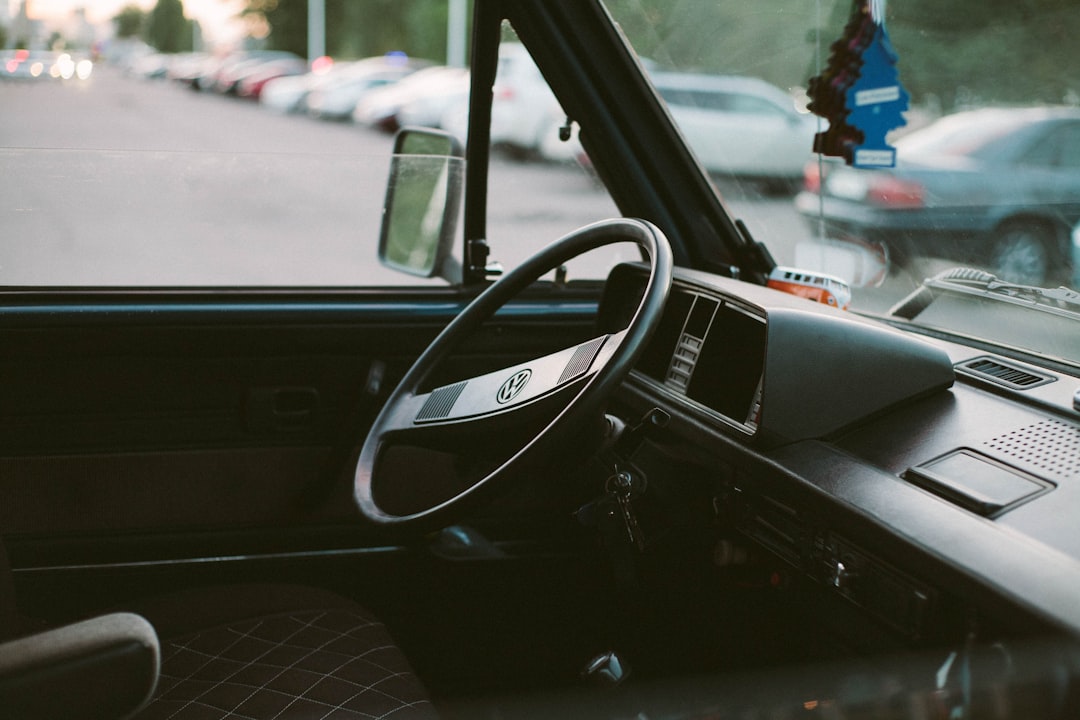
(105, 667)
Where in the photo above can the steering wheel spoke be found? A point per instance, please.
(514, 389)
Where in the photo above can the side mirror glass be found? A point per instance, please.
(423, 200)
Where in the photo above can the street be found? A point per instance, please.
(121, 181)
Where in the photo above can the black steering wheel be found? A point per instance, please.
(410, 472)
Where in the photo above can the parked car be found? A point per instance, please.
(420, 99)
(43, 65)
(995, 187)
(336, 98)
(250, 84)
(228, 78)
(741, 126)
(289, 94)
(221, 73)
(151, 66)
(525, 116)
(280, 437)
(187, 69)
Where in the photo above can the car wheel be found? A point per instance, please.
(1021, 256)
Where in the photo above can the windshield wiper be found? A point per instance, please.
(968, 281)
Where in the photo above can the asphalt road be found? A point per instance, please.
(121, 181)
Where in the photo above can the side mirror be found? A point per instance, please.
(423, 200)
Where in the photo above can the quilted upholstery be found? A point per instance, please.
(331, 664)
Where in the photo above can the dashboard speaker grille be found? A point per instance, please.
(1048, 449)
(441, 401)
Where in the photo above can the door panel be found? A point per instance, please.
(190, 427)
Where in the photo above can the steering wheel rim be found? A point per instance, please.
(405, 411)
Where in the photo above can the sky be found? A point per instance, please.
(217, 17)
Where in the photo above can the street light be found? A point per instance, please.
(455, 33)
(316, 41)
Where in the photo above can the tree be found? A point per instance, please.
(995, 51)
(286, 21)
(129, 21)
(356, 28)
(167, 29)
(971, 51)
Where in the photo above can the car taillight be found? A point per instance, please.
(811, 178)
(893, 192)
(503, 92)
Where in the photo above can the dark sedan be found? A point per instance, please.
(997, 187)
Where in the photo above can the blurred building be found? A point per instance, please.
(81, 33)
(24, 32)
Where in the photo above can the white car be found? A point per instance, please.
(525, 116)
(741, 126)
(289, 94)
(420, 99)
(336, 99)
(427, 109)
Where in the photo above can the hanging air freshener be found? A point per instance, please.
(859, 92)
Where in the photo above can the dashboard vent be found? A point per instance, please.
(1002, 373)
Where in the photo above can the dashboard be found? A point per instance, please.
(892, 470)
(772, 367)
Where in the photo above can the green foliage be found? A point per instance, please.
(359, 28)
(951, 53)
(287, 20)
(129, 21)
(767, 39)
(991, 53)
(167, 29)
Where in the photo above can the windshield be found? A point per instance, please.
(209, 143)
(982, 161)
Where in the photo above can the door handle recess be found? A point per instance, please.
(280, 409)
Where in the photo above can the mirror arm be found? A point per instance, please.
(476, 254)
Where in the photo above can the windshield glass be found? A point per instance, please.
(957, 136)
(205, 143)
(231, 160)
(977, 107)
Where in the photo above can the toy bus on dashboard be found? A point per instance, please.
(819, 287)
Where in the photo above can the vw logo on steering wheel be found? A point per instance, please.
(513, 386)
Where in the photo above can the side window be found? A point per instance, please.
(1058, 149)
(145, 169)
(1070, 150)
(683, 97)
(166, 170)
(720, 101)
(1044, 152)
(751, 105)
(541, 186)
